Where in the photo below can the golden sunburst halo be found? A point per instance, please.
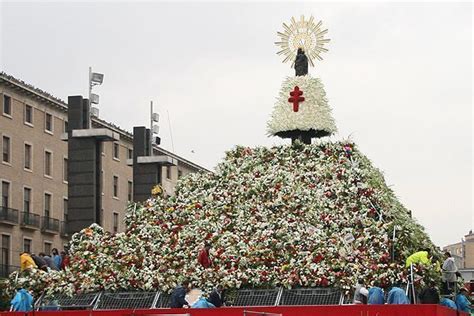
(305, 34)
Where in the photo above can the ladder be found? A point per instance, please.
(410, 290)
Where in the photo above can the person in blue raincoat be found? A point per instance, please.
(22, 301)
(397, 295)
(448, 303)
(202, 303)
(376, 295)
(462, 302)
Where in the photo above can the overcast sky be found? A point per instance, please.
(398, 77)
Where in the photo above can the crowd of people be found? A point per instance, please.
(449, 295)
(178, 297)
(55, 261)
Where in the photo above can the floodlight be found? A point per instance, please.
(97, 78)
(95, 111)
(156, 129)
(155, 117)
(157, 140)
(94, 98)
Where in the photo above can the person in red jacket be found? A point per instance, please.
(64, 260)
(203, 257)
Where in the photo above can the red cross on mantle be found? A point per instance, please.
(296, 97)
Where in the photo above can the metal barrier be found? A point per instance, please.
(162, 301)
(64, 302)
(127, 300)
(151, 300)
(257, 297)
(311, 296)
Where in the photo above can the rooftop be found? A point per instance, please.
(61, 105)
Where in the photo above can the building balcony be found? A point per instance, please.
(8, 216)
(49, 225)
(63, 230)
(6, 270)
(29, 220)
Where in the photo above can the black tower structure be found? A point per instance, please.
(84, 165)
(146, 166)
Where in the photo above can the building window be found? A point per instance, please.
(28, 114)
(116, 151)
(116, 222)
(47, 205)
(27, 245)
(47, 248)
(65, 209)
(47, 163)
(168, 172)
(130, 153)
(7, 105)
(5, 255)
(48, 122)
(26, 200)
(65, 127)
(180, 174)
(5, 194)
(130, 191)
(27, 158)
(65, 161)
(115, 186)
(6, 149)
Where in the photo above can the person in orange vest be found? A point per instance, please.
(26, 262)
(203, 257)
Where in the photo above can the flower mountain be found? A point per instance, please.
(315, 215)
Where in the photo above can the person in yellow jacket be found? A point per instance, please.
(422, 257)
(26, 262)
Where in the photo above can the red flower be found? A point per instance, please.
(385, 257)
(318, 258)
(324, 281)
(219, 252)
(372, 212)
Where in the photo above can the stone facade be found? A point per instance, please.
(463, 251)
(33, 177)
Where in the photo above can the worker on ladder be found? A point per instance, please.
(422, 257)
